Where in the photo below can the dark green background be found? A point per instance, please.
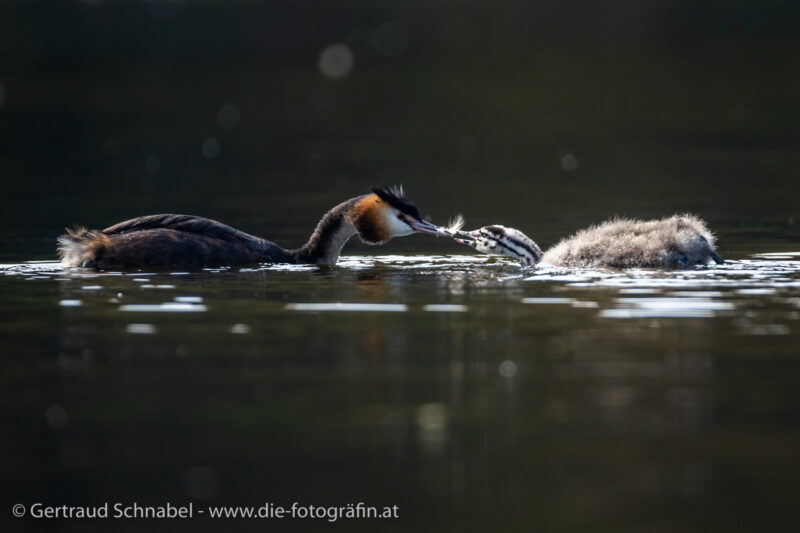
(667, 106)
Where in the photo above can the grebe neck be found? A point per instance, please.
(329, 237)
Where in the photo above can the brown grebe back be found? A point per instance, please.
(185, 241)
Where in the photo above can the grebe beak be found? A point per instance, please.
(422, 226)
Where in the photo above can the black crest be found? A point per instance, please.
(395, 197)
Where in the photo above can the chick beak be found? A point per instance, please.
(470, 243)
(422, 226)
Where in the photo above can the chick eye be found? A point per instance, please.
(401, 216)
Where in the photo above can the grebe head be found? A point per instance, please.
(389, 213)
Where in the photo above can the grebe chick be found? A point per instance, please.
(679, 241)
(185, 241)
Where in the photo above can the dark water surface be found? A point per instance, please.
(460, 388)
(472, 394)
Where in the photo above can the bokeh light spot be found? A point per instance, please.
(508, 369)
(240, 329)
(56, 416)
(210, 148)
(336, 61)
(432, 421)
(569, 163)
(140, 329)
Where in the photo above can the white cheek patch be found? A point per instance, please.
(397, 228)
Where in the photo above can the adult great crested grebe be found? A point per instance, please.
(679, 241)
(185, 241)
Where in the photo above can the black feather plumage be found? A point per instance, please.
(395, 197)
